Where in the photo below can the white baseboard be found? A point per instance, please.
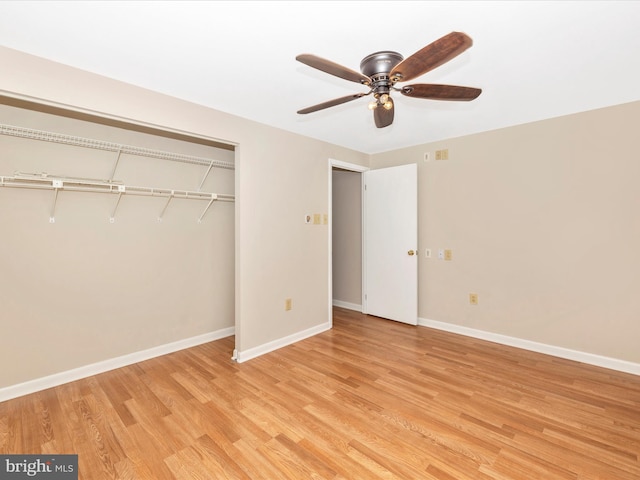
(56, 379)
(244, 355)
(50, 381)
(589, 358)
(347, 305)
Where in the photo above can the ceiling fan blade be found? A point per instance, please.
(331, 103)
(382, 116)
(441, 92)
(333, 68)
(431, 56)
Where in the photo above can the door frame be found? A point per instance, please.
(352, 167)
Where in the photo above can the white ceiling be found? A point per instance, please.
(533, 60)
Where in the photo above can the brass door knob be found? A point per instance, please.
(411, 253)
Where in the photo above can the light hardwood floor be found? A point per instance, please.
(370, 399)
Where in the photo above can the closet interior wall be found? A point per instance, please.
(85, 288)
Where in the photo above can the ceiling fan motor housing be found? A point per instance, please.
(377, 66)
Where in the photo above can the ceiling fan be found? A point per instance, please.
(382, 70)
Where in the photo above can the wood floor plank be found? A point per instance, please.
(258, 465)
(369, 399)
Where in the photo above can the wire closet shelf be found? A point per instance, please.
(44, 181)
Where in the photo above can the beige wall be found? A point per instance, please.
(347, 237)
(543, 223)
(279, 177)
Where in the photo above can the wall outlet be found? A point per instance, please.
(288, 304)
(316, 219)
(473, 298)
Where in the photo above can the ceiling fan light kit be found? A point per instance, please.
(381, 71)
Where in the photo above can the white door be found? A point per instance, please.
(391, 243)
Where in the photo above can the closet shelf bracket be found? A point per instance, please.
(56, 185)
(115, 165)
(165, 206)
(121, 190)
(214, 197)
(205, 176)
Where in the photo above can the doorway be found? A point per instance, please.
(345, 235)
(378, 266)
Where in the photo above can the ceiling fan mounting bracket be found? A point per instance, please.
(380, 63)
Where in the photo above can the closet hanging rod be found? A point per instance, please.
(53, 137)
(99, 186)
